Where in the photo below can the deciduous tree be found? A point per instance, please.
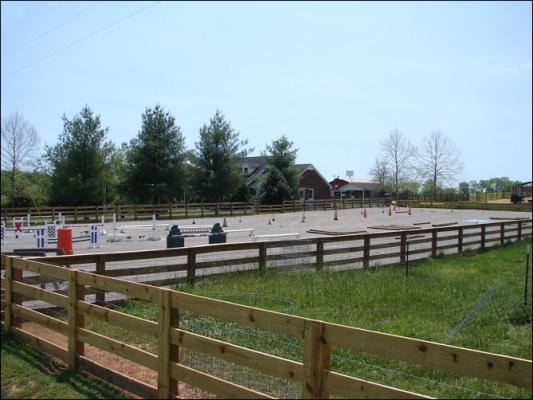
(439, 161)
(398, 153)
(20, 143)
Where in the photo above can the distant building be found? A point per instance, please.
(313, 186)
(348, 188)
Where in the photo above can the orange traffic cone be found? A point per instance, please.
(390, 212)
(335, 218)
(225, 223)
(409, 212)
(364, 213)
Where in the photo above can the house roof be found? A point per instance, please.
(258, 166)
(300, 168)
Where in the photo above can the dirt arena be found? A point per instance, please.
(349, 220)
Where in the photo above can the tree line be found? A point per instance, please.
(431, 168)
(85, 168)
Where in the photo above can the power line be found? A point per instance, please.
(80, 40)
(51, 29)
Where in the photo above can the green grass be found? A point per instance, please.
(429, 305)
(28, 373)
(472, 205)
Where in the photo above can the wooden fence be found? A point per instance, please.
(197, 210)
(160, 267)
(312, 372)
(488, 196)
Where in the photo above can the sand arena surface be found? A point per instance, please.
(349, 220)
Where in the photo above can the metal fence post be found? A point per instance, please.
(262, 257)
(366, 251)
(403, 242)
(434, 241)
(191, 267)
(319, 254)
(100, 270)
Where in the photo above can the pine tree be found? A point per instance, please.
(215, 161)
(275, 188)
(80, 161)
(154, 162)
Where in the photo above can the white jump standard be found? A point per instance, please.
(122, 229)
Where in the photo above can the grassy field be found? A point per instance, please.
(471, 205)
(473, 300)
(29, 374)
(432, 304)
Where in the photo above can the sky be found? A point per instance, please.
(334, 77)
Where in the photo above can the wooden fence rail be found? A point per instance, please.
(357, 249)
(199, 210)
(312, 372)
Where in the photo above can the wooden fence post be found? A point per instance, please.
(163, 374)
(16, 276)
(403, 245)
(519, 230)
(100, 270)
(366, 251)
(202, 208)
(186, 210)
(434, 241)
(8, 316)
(75, 292)
(483, 237)
(262, 257)
(502, 234)
(75, 214)
(460, 240)
(316, 361)
(319, 254)
(191, 266)
(169, 210)
(174, 349)
(217, 211)
(231, 209)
